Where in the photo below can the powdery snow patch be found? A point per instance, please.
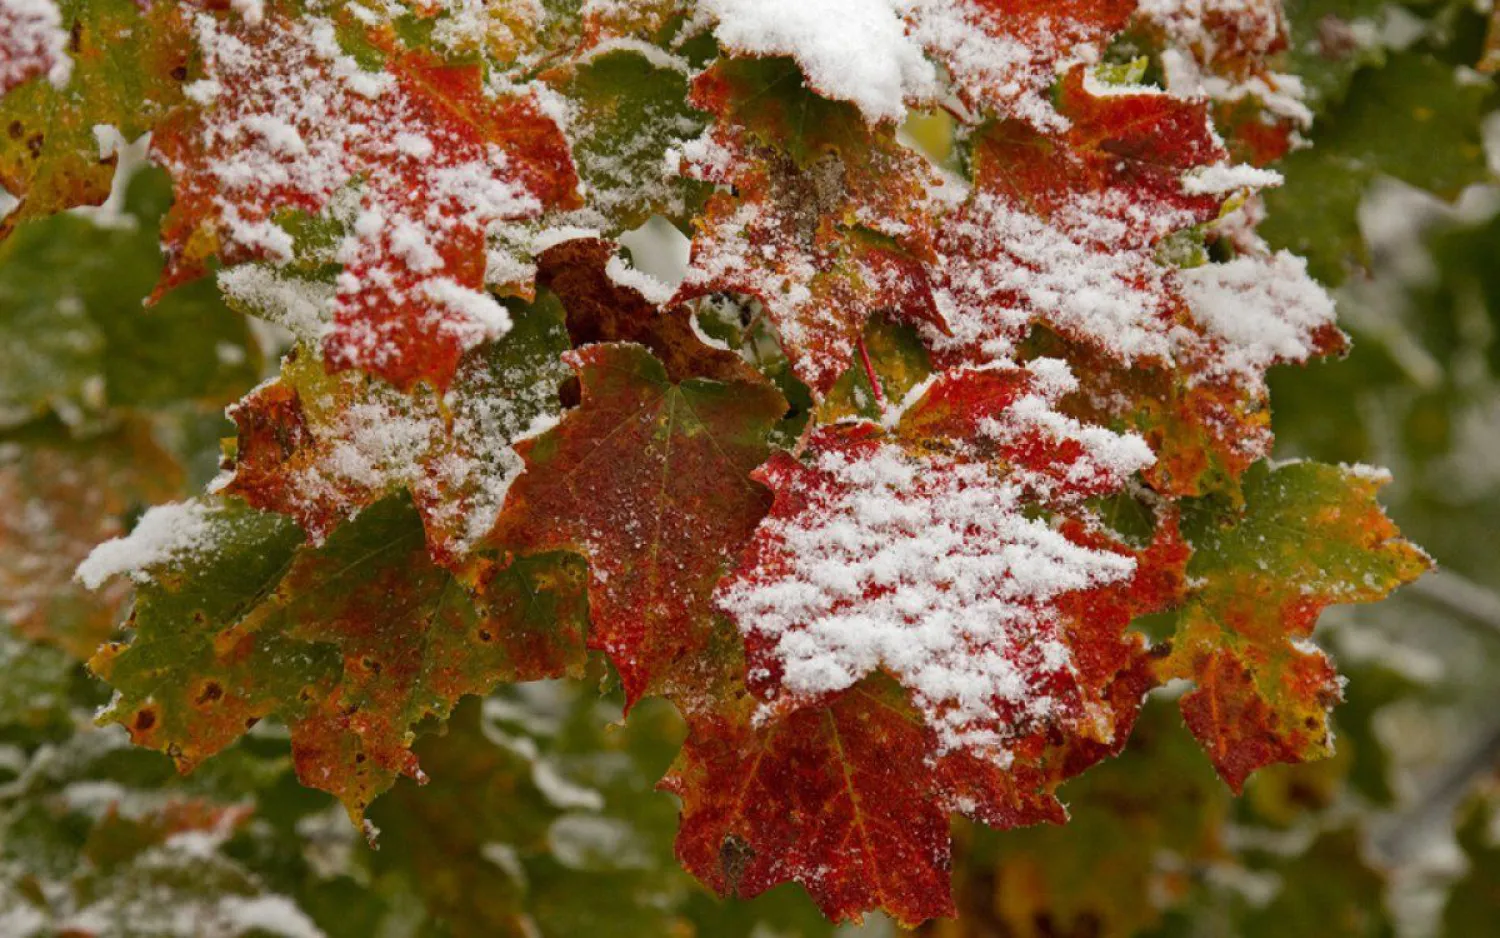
(291, 122)
(1007, 62)
(1267, 310)
(925, 566)
(32, 43)
(165, 534)
(1090, 270)
(851, 50)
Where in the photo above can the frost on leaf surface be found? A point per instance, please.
(431, 160)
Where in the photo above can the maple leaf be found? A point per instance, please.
(288, 122)
(320, 447)
(916, 555)
(824, 228)
(61, 498)
(1004, 56)
(97, 64)
(351, 643)
(1064, 230)
(650, 481)
(628, 112)
(1308, 536)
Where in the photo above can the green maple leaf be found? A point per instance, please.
(1308, 536)
(629, 113)
(352, 643)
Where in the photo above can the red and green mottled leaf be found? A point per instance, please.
(351, 644)
(1308, 536)
(432, 160)
(128, 63)
(649, 480)
(825, 226)
(320, 447)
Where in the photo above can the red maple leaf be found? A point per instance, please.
(649, 480)
(429, 160)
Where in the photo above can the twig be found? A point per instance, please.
(1442, 797)
(1465, 599)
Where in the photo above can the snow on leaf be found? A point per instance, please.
(1262, 311)
(320, 447)
(287, 121)
(1010, 415)
(931, 567)
(1064, 230)
(825, 227)
(649, 480)
(851, 50)
(33, 44)
(1004, 56)
(626, 111)
(351, 643)
(128, 61)
(1224, 50)
(1308, 536)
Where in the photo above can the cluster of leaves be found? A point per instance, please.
(940, 457)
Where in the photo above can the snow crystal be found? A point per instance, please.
(931, 569)
(32, 43)
(165, 534)
(1266, 309)
(1222, 179)
(851, 50)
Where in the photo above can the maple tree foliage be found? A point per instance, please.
(875, 489)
